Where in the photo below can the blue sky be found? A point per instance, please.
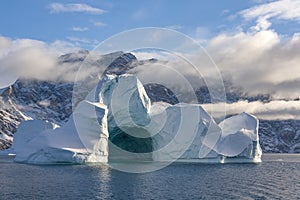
(199, 19)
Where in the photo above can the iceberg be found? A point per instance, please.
(118, 122)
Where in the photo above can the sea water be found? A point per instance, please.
(277, 177)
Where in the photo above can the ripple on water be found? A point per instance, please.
(277, 177)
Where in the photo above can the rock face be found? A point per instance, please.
(122, 64)
(280, 136)
(116, 121)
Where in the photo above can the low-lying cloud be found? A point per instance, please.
(261, 62)
(274, 110)
(32, 59)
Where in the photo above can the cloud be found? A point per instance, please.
(63, 47)
(80, 29)
(202, 34)
(83, 42)
(24, 57)
(225, 12)
(274, 110)
(262, 24)
(99, 24)
(139, 14)
(170, 70)
(32, 59)
(280, 10)
(83, 8)
(260, 62)
(5, 43)
(80, 40)
(252, 79)
(175, 27)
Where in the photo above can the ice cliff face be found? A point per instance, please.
(116, 121)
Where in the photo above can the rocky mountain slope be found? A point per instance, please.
(52, 101)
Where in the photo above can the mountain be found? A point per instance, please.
(52, 101)
(280, 136)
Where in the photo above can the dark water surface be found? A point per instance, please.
(277, 177)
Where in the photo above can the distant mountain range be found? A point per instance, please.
(52, 101)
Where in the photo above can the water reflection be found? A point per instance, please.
(102, 177)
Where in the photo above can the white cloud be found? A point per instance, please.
(261, 1)
(256, 68)
(145, 55)
(139, 14)
(260, 62)
(79, 40)
(63, 47)
(5, 43)
(84, 8)
(25, 57)
(281, 9)
(262, 24)
(80, 29)
(202, 34)
(83, 42)
(99, 24)
(175, 27)
(34, 59)
(274, 110)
